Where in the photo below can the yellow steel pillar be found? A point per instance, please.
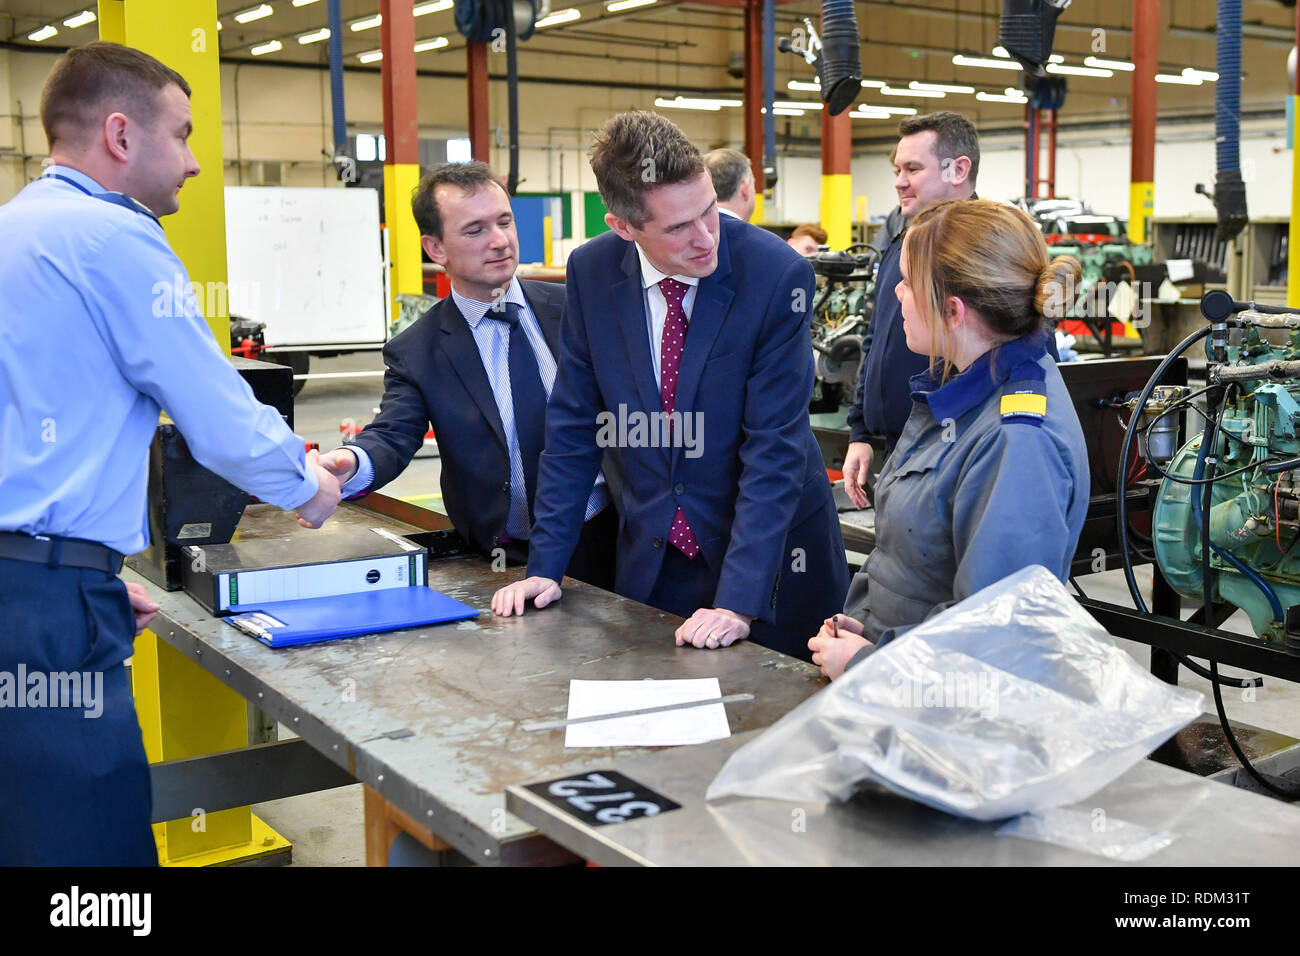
(1293, 231)
(183, 711)
(401, 132)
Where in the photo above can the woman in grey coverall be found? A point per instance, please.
(991, 473)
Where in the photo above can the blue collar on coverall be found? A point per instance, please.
(1016, 361)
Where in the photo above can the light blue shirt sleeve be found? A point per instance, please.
(142, 305)
(365, 475)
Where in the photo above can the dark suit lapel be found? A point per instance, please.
(458, 342)
(629, 309)
(712, 300)
(548, 319)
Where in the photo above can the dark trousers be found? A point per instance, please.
(814, 578)
(74, 782)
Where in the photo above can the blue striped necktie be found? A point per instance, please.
(528, 398)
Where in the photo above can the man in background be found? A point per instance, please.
(937, 157)
(733, 181)
(807, 238)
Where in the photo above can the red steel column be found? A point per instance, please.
(1146, 59)
(754, 54)
(476, 73)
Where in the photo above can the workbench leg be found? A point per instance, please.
(186, 712)
(385, 823)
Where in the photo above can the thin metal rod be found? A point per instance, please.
(662, 708)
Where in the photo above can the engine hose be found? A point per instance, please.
(1272, 788)
(1122, 504)
(1121, 480)
(1201, 513)
(1279, 466)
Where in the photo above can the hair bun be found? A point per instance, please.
(1057, 287)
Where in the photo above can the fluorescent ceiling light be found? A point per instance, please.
(875, 84)
(367, 23)
(930, 94)
(370, 56)
(422, 8)
(1002, 52)
(804, 86)
(796, 105)
(695, 103)
(1178, 79)
(1001, 98)
(302, 3)
(783, 111)
(888, 110)
(315, 36)
(47, 31)
(559, 16)
(992, 64)
(269, 47)
(618, 5)
(1078, 70)
(1192, 72)
(860, 114)
(1108, 64)
(941, 87)
(80, 20)
(433, 43)
(254, 13)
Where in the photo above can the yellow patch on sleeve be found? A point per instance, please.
(1024, 404)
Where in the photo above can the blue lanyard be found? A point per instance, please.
(117, 199)
(68, 179)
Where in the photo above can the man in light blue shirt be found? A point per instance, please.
(99, 330)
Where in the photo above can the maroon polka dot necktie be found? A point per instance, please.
(681, 536)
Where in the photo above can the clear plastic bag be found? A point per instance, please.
(1011, 701)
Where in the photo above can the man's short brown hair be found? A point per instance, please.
(90, 82)
(955, 136)
(817, 233)
(728, 168)
(636, 152)
(467, 177)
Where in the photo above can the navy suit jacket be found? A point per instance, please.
(435, 376)
(747, 368)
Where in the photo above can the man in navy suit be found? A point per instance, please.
(685, 350)
(478, 366)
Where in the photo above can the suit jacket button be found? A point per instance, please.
(506, 487)
(496, 541)
(658, 542)
(679, 489)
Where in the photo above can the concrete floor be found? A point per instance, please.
(327, 828)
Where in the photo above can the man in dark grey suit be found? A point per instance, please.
(479, 366)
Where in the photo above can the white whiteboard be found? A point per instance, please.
(308, 263)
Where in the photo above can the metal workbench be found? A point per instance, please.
(430, 717)
(1216, 824)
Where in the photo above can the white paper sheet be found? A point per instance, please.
(694, 725)
(1180, 270)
